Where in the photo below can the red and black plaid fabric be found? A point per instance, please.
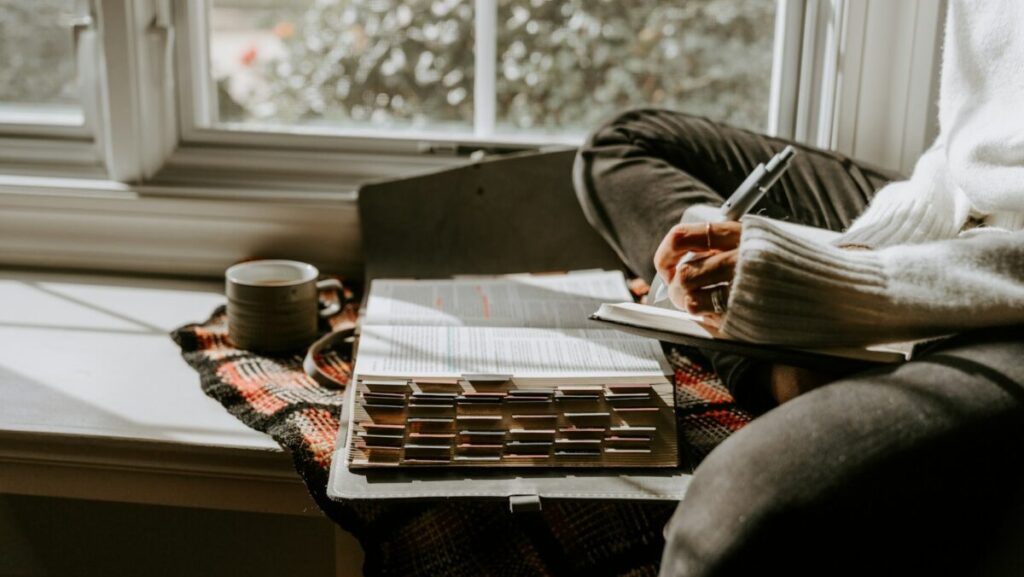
(450, 537)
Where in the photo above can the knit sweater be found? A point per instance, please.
(948, 249)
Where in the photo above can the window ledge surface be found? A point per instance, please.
(88, 224)
(99, 404)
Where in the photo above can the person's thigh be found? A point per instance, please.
(636, 174)
(910, 470)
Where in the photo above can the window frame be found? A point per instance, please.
(349, 157)
(146, 182)
(31, 121)
(33, 142)
(196, 96)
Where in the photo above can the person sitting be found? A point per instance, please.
(915, 468)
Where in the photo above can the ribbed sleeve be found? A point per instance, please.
(921, 209)
(790, 290)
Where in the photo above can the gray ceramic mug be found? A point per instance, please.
(273, 304)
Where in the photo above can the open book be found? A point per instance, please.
(670, 324)
(666, 323)
(507, 371)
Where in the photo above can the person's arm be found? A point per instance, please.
(789, 290)
(923, 208)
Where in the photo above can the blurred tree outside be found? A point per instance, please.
(562, 65)
(570, 63)
(368, 62)
(36, 60)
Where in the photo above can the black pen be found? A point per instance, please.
(756, 185)
(739, 203)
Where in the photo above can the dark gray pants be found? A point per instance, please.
(916, 469)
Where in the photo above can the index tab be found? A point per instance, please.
(581, 389)
(623, 388)
(435, 381)
(386, 385)
(487, 378)
(437, 385)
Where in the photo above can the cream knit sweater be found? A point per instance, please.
(949, 245)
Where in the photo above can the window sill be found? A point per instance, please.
(176, 229)
(118, 415)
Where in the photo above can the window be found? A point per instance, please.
(38, 74)
(502, 70)
(47, 89)
(175, 136)
(567, 65)
(356, 65)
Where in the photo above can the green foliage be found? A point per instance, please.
(569, 63)
(36, 64)
(562, 64)
(374, 61)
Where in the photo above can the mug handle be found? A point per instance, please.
(333, 308)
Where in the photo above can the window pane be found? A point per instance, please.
(37, 69)
(568, 64)
(343, 64)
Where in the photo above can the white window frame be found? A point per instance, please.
(886, 105)
(197, 96)
(148, 192)
(345, 157)
(53, 139)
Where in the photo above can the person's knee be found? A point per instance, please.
(620, 153)
(759, 501)
(843, 477)
(616, 140)
(734, 507)
(606, 170)
(638, 126)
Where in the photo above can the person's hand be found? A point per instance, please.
(691, 284)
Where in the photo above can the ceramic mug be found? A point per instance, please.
(273, 304)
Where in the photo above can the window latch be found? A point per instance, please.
(78, 25)
(161, 22)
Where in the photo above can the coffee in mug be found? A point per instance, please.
(273, 304)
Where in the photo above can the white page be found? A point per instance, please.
(558, 301)
(523, 352)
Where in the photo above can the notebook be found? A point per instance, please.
(673, 325)
(506, 372)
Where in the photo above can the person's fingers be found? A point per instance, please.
(712, 322)
(699, 237)
(677, 294)
(687, 258)
(701, 301)
(664, 264)
(715, 269)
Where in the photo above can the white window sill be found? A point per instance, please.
(88, 224)
(98, 403)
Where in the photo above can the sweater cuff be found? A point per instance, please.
(921, 209)
(791, 290)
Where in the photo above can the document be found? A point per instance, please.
(523, 352)
(557, 301)
(507, 372)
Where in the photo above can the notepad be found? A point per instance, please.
(515, 356)
(669, 324)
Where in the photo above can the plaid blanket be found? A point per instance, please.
(450, 537)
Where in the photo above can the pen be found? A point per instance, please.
(739, 203)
